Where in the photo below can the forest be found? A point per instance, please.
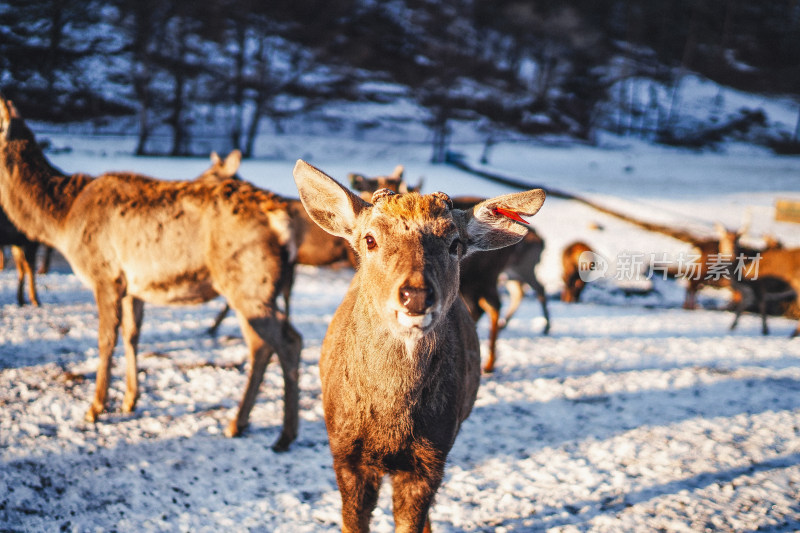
(236, 67)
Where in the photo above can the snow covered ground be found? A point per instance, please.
(632, 415)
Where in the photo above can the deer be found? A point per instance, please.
(521, 271)
(315, 247)
(23, 250)
(481, 272)
(572, 268)
(759, 276)
(131, 238)
(400, 361)
(394, 182)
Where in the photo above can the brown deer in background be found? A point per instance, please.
(400, 363)
(23, 250)
(521, 271)
(394, 182)
(480, 273)
(572, 268)
(133, 239)
(760, 276)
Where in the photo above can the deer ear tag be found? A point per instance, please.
(513, 215)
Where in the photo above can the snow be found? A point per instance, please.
(632, 415)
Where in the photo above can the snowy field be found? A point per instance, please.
(632, 415)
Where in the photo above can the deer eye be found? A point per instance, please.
(455, 246)
(371, 244)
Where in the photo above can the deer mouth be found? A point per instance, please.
(420, 322)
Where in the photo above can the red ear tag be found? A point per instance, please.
(513, 215)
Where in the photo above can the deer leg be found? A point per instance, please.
(22, 257)
(542, 297)
(762, 309)
(263, 335)
(412, 496)
(289, 356)
(132, 313)
(689, 301)
(217, 321)
(494, 315)
(286, 290)
(515, 293)
(745, 298)
(108, 297)
(30, 263)
(359, 490)
(19, 260)
(260, 353)
(48, 255)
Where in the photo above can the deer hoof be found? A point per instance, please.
(93, 413)
(128, 404)
(233, 429)
(282, 445)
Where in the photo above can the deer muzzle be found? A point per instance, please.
(416, 306)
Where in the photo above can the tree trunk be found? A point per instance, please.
(686, 63)
(176, 120)
(238, 87)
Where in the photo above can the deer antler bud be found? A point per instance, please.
(381, 193)
(445, 198)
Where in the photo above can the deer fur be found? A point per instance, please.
(762, 276)
(400, 363)
(571, 264)
(133, 239)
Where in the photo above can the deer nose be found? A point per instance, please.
(416, 300)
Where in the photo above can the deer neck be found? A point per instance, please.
(35, 195)
(404, 360)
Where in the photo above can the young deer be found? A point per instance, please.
(133, 239)
(760, 276)
(481, 271)
(571, 263)
(400, 363)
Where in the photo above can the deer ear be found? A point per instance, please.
(5, 114)
(215, 160)
(500, 222)
(329, 203)
(232, 162)
(356, 180)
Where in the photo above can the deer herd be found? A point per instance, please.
(400, 363)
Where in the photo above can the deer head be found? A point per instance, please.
(12, 127)
(222, 169)
(409, 245)
(728, 239)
